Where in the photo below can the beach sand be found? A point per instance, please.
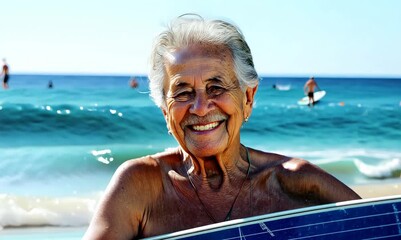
(383, 188)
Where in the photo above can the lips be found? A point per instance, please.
(205, 123)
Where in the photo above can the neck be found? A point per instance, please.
(216, 171)
(227, 190)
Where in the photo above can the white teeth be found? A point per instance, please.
(205, 127)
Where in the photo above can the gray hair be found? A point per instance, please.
(185, 31)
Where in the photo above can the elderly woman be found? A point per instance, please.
(204, 81)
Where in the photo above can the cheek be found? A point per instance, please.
(175, 114)
(235, 104)
(236, 112)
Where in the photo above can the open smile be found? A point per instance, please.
(205, 127)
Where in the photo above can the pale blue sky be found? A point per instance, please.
(287, 38)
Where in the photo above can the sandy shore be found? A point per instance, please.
(380, 189)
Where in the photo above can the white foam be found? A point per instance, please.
(283, 87)
(386, 169)
(19, 211)
(103, 156)
(323, 156)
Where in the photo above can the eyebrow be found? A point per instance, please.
(215, 79)
(180, 84)
(183, 84)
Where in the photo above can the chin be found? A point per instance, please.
(206, 149)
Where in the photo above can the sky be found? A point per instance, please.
(286, 37)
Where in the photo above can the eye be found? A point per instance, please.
(183, 96)
(215, 90)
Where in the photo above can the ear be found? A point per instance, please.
(164, 113)
(250, 95)
(249, 100)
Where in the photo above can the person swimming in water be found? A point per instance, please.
(5, 74)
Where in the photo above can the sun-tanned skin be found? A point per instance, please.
(205, 109)
(152, 195)
(309, 89)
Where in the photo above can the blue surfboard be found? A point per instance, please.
(378, 218)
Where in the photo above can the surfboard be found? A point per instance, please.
(282, 87)
(376, 218)
(317, 96)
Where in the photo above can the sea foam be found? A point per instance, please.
(18, 211)
(387, 169)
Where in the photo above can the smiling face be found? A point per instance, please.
(205, 104)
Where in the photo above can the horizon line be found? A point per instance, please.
(266, 75)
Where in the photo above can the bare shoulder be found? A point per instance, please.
(137, 168)
(148, 165)
(145, 173)
(121, 210)
(299, 177)
(265, 161)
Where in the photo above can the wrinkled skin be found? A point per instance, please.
(205, 110)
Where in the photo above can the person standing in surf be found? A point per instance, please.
(204, 81)
(5, 74)
(309, 89)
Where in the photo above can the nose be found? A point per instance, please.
(201, 104)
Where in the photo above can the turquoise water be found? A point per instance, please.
(59, 147)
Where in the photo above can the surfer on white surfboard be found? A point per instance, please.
(309, 89)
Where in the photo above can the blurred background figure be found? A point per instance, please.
(50, 84)
(5, 74)
(309, 89)
(133, 82)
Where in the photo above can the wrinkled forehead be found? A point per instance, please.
(199, 61)
(199, 50)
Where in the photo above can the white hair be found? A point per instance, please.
(185, 31)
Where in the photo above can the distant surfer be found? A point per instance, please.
(309, 89)
(50, 84)
(133, 83)
(5, 74)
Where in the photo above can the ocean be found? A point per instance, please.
(59, 147)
